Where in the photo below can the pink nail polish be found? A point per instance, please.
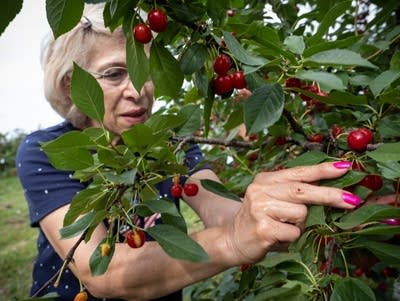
(342, 164)
(351, 199)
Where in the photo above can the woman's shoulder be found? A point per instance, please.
(49, 133)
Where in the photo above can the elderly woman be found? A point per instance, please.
(273, 208)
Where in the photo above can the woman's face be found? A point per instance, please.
(124, 106)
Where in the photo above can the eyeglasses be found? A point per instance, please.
(113, 76)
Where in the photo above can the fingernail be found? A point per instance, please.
(351, 199)
(342, 164)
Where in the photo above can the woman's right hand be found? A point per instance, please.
(275, 208)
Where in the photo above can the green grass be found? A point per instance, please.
(18, 240)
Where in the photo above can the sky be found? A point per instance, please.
(23, 105)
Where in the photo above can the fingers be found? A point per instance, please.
(312, 173)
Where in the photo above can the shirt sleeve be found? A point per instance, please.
(194, 159)
(45, 187)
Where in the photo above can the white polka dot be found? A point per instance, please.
(53, 267)
(41, 265)
(41, 149)
(39, 169)
(19, 164)
(165, 195)
(46, 191)
(27, 141)
(196, 158)
(70, 176)
(66, 271)
(66, 286)
(48, 247)
(37, 213)
(35, 282)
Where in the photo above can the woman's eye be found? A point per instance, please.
(115, 74)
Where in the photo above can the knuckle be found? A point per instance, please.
(296, 190)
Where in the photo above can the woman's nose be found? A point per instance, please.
(130, 91)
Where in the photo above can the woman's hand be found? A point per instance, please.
(275, 207)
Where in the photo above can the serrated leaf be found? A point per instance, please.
(77, 227)
(191, 114)
(295, 44)
(389, 170)
(63, 15)
(87, 94)
(157, 206)
(219, 189)
(350, 178)
(367, 213)
(308, 158)
(70, 151)
(193, 58)
(351, 289)
(328, 81)
(136, 60)
(177, 244)
(383, 80)
(340, 57)
(386, 152)
(240, 53)
(9, 11)
(263, 108)
(165, 72)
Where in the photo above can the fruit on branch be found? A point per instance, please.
(311, 88)
(190, 189)
(157, 20)
(222, 64)
(359, 139)
(238, 80)
(230, 12)
(142, 33)
(280, 140)
(223, 84)
(105, 249)
(316, 138)
(176, 190)
(373, 182)
(81, 296)
(336, 130)
(293, 82)
(135, 238)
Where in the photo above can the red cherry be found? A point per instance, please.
(238, 80)
(223, 84)
(373, 182)
(336, 130)
(358, 139)
(311, 88)
(191, 189)
(176, 190)
(142, 33)
(157, 19)
(368, 133)
(316, 138)
(281, 140)
(222, 64)
(358, 272)
(135, 238)
(293, 82)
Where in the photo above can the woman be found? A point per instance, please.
(273, 209)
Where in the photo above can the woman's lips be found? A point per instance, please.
(135, 116)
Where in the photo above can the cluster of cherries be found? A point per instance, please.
(157, 21)
(225, 82)
(190, 189)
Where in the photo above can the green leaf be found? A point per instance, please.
(386, 152)
(263, 108)
(274, 258)
(388, 253)
(140, 138)
(157, 206)
(99, 264)
(165, 71)
(367, 213)
(295, 44)
(308, 158)
(383, 80)
(136, 60)
(329, 19)
(343, 98)
(77, 227)
(63, 15)
(70, 151)
(193, 58)
(214, 9)
(219, 189)
(163, 123)
(340, 57)
(316, 216)
(350, 178)
(379, 229)
(389, 126)
(87, 94)
(389, 170)
(192, 115)
(208, 105)
(10, 10)
(328, 81)
(177, 244)
(351, 289)
(240, 53)
(47, 297)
